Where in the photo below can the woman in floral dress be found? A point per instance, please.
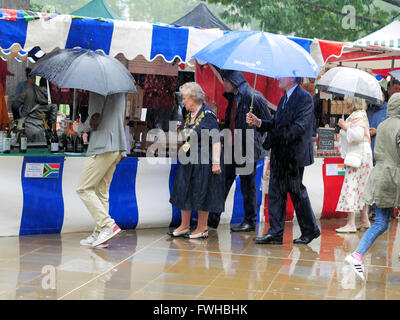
(355, 136)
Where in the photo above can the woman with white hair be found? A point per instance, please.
(383, 186)
(355, 148)
(199, 184)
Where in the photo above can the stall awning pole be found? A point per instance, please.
(391, 78)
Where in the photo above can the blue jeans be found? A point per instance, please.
(382, 217)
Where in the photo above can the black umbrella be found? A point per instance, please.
(86, 69)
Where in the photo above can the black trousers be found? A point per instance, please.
(277, 200)
(249, 192)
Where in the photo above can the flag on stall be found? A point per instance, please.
(51, 170)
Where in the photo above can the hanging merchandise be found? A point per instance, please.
(159, 91)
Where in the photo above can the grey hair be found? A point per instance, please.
(193, 90)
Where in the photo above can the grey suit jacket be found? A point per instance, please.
(109, 136)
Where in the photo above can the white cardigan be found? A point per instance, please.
(354, 142)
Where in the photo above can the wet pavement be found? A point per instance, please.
(148, 264)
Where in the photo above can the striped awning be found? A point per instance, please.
(21, 31)
(388, 36)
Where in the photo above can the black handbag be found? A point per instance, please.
(398, 143)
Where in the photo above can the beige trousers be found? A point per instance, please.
(94, 185)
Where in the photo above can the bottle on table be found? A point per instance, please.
(62, 143)
(23, 140)
(69, 144)
(47, 130)
(54, 146)
(14, 135)
(7, 140)
(78, 144)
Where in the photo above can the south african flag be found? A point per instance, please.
(51, 170)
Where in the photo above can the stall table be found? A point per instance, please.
(37, 193)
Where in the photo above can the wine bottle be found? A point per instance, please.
(62, 141)
(23, 140)
(47, 130)
(7, 140)
(14, 135)
(79, 144)
(54, 147)
(69, 145)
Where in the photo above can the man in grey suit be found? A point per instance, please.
(107, 147)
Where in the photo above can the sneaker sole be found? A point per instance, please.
(102, 245)
(361, 276)
(108, 238)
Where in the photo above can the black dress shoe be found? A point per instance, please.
(268, 239)
(308, 238)
(244, 227)
(213, 221)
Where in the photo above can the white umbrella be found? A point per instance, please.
(352, 82)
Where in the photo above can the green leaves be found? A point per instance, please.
(341, 20)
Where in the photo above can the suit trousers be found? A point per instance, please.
(277, 201)
(94, 185)
(249, 192)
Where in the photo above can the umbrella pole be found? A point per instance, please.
(255, 81)
(252, 95)
(48, 93)
(74, 107)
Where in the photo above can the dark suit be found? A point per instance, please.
(290, 139)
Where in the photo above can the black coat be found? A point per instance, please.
(243, 97)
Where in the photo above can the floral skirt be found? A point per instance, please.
(353, 186)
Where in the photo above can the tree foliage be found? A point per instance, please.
(324, 19)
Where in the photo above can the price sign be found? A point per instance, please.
(326, 138)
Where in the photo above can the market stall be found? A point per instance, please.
(48, 203)
(37, 188)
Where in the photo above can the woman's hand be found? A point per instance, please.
(216, 168)
(372, 132)
(342, 123)
(252, 120)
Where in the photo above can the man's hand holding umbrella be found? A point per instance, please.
(252, 120)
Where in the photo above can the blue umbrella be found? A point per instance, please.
(262, 53)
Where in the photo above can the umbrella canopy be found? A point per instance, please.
(86, 69)
(352, 82)
(261, 53)
(395, 74)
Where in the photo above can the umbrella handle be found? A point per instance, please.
(252, 95)
(74, 106)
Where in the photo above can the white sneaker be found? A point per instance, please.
(88, 242)
(106, 234)
(356, 265)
